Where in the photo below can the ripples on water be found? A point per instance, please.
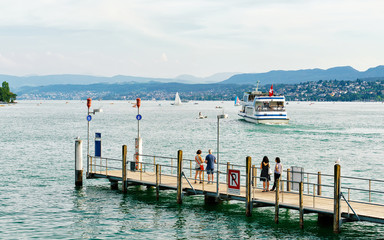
(38, 198)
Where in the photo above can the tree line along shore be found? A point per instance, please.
(330, 90)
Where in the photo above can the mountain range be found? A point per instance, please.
(267, 78)
(308, 75)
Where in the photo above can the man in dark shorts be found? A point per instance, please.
(210, 160)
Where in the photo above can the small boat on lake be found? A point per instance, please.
(265, 108)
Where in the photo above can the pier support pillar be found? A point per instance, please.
(324, 219)
(301, 207)
(336, 197)
(179, 176)
(211, 200)
(277, 201)
(248, 192)
(114, 185)
(124, 169)
(78, 163)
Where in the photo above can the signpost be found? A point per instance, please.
(234, 181)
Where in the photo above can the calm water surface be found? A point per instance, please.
(38, 198)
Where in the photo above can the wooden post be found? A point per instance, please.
(288, 180)
(157, 181)
(248, 210)
(301, 190)
(179, 177)
(78, 163)
(277, 200)
(124, 173)
(227, 173)
(336, 197)
(319, 183)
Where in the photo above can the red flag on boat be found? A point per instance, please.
(271, 91)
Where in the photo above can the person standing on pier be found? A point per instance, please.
(264, 176)
(277, 172)
(210, 160)
(199, 165)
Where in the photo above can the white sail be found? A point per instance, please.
(177, 99)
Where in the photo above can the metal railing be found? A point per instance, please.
(317, 185)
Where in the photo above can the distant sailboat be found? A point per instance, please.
(177, 100)
(237, 101)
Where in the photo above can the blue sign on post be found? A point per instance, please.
(138, 117)
(89, 118)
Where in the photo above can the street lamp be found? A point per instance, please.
(89, 118)
(221, 116)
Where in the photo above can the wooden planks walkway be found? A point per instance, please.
(366, 211)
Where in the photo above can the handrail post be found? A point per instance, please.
(288, 180)
(277, 200)
(336, 197)
(319, 183)
(179, 177)
(227, 173)
(254, 174)
(370, 190)
(301, 208)
(248, 210)
(157, 181)
(124, 173)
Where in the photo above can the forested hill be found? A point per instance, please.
(371, 89)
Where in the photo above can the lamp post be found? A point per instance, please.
(221, 116)
(89, 118)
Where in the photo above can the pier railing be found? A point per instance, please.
(317, 185)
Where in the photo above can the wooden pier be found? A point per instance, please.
(172, 175)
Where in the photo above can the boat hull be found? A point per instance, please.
(265, 119)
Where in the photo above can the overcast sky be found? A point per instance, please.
(166, 38)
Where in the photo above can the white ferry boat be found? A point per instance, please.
(266, 108)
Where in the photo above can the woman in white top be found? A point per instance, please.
(278, 171)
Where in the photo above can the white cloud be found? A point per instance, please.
(127, 36)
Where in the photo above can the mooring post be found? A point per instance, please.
(78, 163)
(319, 183)
(336, 197)
(124, 173)
(179, 177)
(277, 201)
(301, 190)
(157, 181)
(248, 210)
(288, 180)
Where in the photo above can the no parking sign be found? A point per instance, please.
(234, 182)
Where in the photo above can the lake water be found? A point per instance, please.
(38, 198)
